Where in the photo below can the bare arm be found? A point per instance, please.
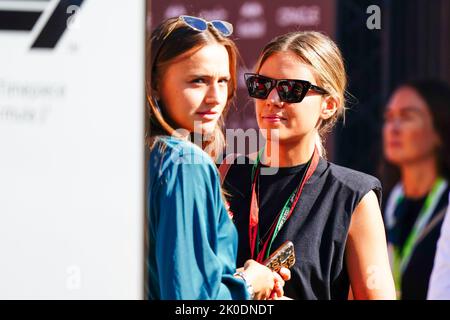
(366, 253)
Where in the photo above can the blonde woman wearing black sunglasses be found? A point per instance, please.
(330, 213)
(192, 242)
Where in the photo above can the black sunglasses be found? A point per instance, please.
(289, 90)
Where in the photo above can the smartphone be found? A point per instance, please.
(284, 256)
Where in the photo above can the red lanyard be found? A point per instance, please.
(284, 214)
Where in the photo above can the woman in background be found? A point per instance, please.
(416, 136)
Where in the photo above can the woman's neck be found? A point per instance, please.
(288, 154)
(418, 178)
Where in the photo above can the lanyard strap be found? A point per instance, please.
(284, 214)
(402, 256)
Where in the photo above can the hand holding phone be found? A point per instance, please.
(284, 256)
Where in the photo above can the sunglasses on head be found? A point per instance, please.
(198, 24)
(201, 25)
(289, 90)
(223, 27)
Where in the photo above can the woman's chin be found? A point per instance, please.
(396, 159)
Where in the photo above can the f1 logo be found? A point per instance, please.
(23, 16)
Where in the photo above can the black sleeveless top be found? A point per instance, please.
(318, 226)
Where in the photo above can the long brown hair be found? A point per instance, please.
(323, 55)
(170, 40)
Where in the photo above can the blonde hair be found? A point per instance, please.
(170, 40)
(323, 55)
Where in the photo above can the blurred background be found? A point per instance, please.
(72, 109)
(384, 43)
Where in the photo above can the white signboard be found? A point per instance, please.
(72, 149)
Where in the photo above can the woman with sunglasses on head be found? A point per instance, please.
(330, 213)
(191, 78)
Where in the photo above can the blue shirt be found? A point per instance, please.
(192, 241)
